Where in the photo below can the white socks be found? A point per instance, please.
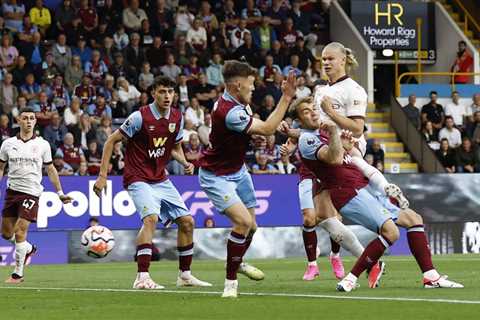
(185, 274)
(343, 236)
(376, 178)
(312, 263)
(21, 250)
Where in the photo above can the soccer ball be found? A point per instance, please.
(98, 241)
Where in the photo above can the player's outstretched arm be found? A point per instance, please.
(354, 124)
(268, 127)
(289, 147)
(2, 169)
(53, 176)
(334, 152)
(178, 155)
(101, 182)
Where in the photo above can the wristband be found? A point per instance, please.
(60, 193)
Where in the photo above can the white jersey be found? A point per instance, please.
(348, 98)
(25, 161)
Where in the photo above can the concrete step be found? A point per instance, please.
(383, 137)
(401, 167)
(378, 127)
(392, 146)
(377, 117)
(397, 157)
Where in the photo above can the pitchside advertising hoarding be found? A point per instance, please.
(393, 25)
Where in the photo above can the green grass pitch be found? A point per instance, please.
(103, 291)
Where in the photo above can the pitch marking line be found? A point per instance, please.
(261, 294)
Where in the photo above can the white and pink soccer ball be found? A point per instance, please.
(98, 241)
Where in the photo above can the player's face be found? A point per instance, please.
(163, 96)
(333, 62)
(245, 89)
(27, 121)
(308, 116)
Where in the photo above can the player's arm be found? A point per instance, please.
(333, 152)
(355, 124)
(268, 127)
(2, 169)
(177, 154)
(101, 182)
(55, 180)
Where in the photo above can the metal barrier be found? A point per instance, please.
(415, 142)
(439, 74)
(468, 19)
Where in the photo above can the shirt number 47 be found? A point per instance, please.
(28, 203)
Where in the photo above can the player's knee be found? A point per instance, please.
(415, 218)
(309, 219)
(410, 218)
(245, 223)
(186, 224)
(390, 232)
(150, 222)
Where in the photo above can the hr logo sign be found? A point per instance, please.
(394, 10)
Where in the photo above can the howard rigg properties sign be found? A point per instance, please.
(391, 24)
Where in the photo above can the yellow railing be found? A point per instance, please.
(436, 74)
(468, 18)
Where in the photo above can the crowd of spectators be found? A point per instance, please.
(453, 130)
(85, 65)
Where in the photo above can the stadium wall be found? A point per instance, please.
(448, 203)
(343, 30)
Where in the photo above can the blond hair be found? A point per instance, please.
(293, 109)
(351, 62)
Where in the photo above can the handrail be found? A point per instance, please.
(467, 16)
(452, 74)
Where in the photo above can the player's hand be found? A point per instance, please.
(99, 186)
(347, 139)
(284, 127)
(284, 150)
(189, 168)
(289, 86)
(65, 199)
(328, 125)
(327, 105)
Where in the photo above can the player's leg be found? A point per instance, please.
(418, 244)
(377, 180)
(246, 193)
(26, 209)
(222, 193)
(8, 228)
(173, 209)
(327, 214)
(364, 209)
(149, 209)
(309, 233)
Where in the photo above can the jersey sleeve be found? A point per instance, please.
(47, 153)
(357, 104)
(3, 152)
(308, 145)
(179, 137)
(132, 125)
(238, 119)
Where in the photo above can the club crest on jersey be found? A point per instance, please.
(310, 141)
(171, 127)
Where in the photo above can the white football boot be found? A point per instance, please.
(186, 279)
(144, 282)
(251, 271)
(441, 282)
(231, 288)
(394, 191)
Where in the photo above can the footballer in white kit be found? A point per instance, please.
(348, 99)
(24, 155)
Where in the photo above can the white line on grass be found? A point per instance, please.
(262, 294)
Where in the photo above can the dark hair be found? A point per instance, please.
(433, 92)
(26, 109)
(163, 81)
(444, 139)
(448, 117)
(93, 219)
(462, 42)
(235, 68)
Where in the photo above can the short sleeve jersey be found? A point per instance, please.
(25, 161)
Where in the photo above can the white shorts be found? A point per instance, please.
(305, 194)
